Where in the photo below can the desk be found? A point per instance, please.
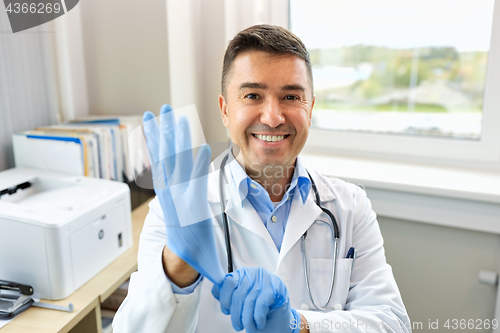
(86, 317)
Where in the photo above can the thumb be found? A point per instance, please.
(216, 291)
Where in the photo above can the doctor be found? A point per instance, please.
(266, 103)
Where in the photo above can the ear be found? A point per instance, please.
(223, 110)
(312, 107)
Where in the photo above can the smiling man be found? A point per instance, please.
(289, 226)
(267, 103)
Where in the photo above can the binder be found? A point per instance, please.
(89, 143)
(60, 154)
(112, 148)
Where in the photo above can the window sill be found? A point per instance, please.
(444, 196)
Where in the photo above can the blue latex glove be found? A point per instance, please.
(257, 301)
(187, 217)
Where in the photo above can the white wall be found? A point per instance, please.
(213, 43)
(437, 268)
(196, 37)
(133, 52)
(126, 55)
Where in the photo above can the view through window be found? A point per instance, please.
(397, 67)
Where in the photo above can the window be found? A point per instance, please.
(407, 78)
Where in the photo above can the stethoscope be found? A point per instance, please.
(332, 224)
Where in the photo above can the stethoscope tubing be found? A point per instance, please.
(225, 223)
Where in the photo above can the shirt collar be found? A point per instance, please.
(241, 180)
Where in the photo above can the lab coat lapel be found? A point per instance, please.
(246, 216)
(302, 216)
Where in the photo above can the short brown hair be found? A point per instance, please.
(267, 38)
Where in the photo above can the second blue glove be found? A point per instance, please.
(257, 301)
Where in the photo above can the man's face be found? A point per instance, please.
(268, 108)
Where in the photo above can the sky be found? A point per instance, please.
(403, 24)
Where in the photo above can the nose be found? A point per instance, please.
(271, 114)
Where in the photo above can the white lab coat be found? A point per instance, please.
(368, 294)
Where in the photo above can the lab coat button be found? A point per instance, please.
(274, 218)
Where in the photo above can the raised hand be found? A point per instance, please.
(181, 188)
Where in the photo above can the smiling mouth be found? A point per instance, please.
(270, 138)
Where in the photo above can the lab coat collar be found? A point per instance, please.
(302, 178)
(325, 193)
(239, 177)
(302, 214)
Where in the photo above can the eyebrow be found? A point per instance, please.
(294, 87)
(253, 85)
(257, 85)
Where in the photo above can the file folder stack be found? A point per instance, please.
(112, 148)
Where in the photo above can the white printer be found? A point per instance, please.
(58, 231)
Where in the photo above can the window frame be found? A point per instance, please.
(427, 149)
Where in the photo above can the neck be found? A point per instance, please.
(274, 179)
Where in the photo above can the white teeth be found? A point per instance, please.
(270, 138)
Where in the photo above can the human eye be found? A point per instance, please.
(251, 96)
(292, 97)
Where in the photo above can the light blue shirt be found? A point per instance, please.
(273, 215)
(274, 219)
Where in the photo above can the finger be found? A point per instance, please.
(226, 291)
(151, 132)
(239, 296)
(202, 162)
(167, 138)
(183, 134)
(262, 306)
(183, 151)
(249, 310)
